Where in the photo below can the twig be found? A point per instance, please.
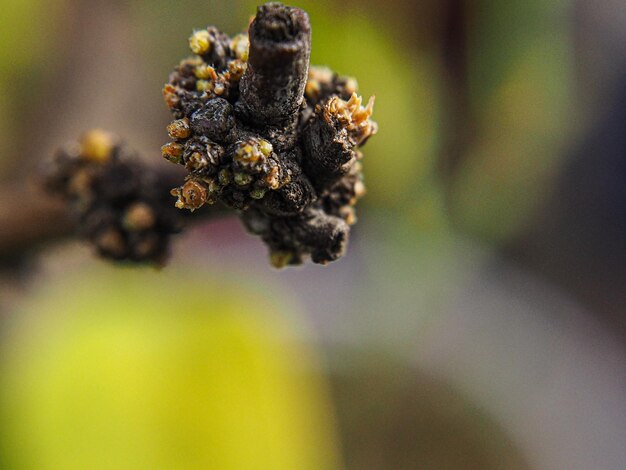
(30, 219)
(257, 130)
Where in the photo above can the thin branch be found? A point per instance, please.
(255, 129)
(31, 219)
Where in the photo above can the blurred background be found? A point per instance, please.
(477, 322)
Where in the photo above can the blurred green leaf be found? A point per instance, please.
(520, 72)
(28, 45)
(129, 369)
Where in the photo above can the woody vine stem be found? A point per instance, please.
(259, 133)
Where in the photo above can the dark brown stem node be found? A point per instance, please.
(272, 88)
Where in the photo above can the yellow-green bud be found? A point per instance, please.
(257, 193)
(241, 179)
(200, 42)
(266, 147)
(224, 177)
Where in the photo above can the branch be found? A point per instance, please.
(28, 220)
(258, 133)
(31, 220)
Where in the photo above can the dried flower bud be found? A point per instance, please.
(268, 136)
(192, 195)
(170, 96)
(172, 152)
(352, 116)
(179, 129)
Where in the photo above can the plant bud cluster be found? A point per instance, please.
(118, 202)
(261, 132)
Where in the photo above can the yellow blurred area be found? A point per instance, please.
(24, 31)
(159, 370)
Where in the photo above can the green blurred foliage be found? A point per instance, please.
(128, 369)
(29, 31)
(521, 95)
(25, 33)
(165, 26)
